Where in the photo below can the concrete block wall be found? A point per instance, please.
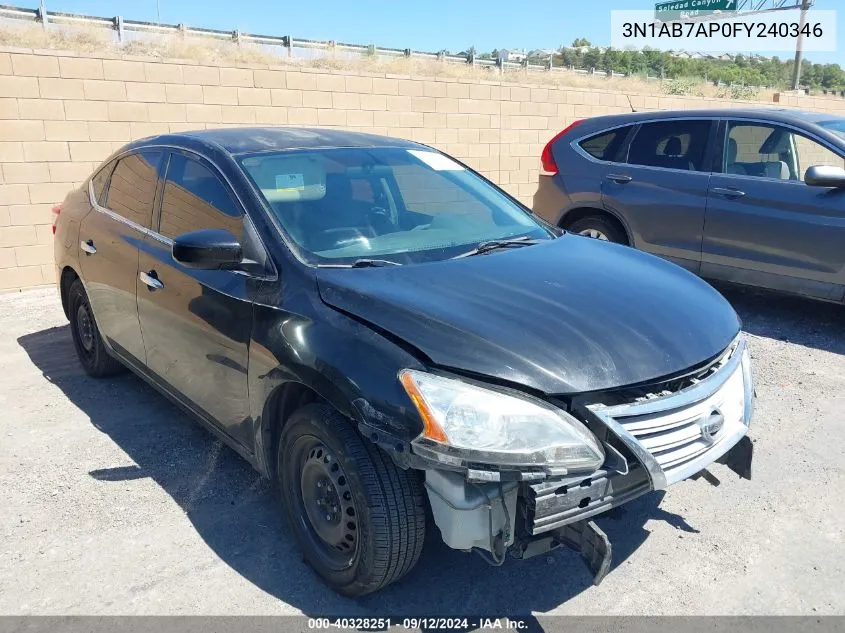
(62, 113)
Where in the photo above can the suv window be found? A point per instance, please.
(99, 182)
(606, 145)
(671, 145)
(132, 187)
(772, 151)
(195, 198)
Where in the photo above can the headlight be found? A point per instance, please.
(467, 423)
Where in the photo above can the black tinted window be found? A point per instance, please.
(194, 199)
(99, 182)
(605, 146)
(132, 188)
(670, 144)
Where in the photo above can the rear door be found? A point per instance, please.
(764, 225)
(110, 236)
(197, 323)
(661, 189)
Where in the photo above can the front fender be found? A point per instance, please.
(331, 356)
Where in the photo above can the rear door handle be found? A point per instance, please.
(151, 280)
(619, 179)
(88, 247)
(727, 192)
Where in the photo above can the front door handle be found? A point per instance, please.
(619, 179)
(726, 192)
(151, 280)
(88, 247)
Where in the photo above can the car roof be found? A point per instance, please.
(783, 115)
(244, 140)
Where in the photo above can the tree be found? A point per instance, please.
(581, 41)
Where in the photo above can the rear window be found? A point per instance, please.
(606, 145)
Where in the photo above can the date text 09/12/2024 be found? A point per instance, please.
(761, 30)
(418, 623)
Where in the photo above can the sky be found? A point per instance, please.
(426, 25)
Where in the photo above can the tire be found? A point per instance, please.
(599, 225)
(92, 353)
(380, 507)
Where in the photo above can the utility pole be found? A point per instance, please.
(799, 45)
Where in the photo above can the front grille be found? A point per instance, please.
(677, 434)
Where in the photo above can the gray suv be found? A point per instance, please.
(755, 197)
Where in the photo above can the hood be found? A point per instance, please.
(565, 316)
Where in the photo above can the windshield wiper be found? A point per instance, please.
(492, 245)
(372, 263)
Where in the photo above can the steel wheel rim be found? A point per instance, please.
(595, 234)
(85, 328)
(327, 501)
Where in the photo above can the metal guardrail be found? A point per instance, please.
(285, 46)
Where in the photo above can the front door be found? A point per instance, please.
(764, 226)
(197, 323)
(662, 190)
(110, 236)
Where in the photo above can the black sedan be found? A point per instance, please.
(379, 330)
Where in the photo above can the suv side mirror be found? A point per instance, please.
(207, 249)
(825, 176)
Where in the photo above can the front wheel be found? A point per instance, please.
(358, 518)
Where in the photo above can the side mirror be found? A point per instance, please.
(207, 249)
(825, 176)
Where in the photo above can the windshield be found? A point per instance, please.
(396, 204)
(837, 126)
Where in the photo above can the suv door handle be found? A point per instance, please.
(151, 280)
(88, 247)
(619, 179)
(727, 192)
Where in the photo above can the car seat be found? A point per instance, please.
(776, 169)
(336, 217)
(673, 157)
(731, 166)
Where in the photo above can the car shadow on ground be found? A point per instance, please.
(234, 510)
(798, 320)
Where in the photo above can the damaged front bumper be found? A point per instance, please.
(526, 520)
(651, 443)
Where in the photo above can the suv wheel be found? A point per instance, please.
(92, 353)
(358, 518)
(600, 228)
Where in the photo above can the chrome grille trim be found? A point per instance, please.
(663, 431)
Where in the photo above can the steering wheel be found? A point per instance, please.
(381, 219)
(352, 235)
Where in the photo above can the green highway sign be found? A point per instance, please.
(679, 9)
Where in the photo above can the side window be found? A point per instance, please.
(99, 182)
(132, 188)
(605, 146)
(771, 151)
(671, 145)
(811, 154)
(195, 198)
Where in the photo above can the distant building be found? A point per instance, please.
(541, 53)
(513, 55)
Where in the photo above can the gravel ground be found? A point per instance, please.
(114, 502)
